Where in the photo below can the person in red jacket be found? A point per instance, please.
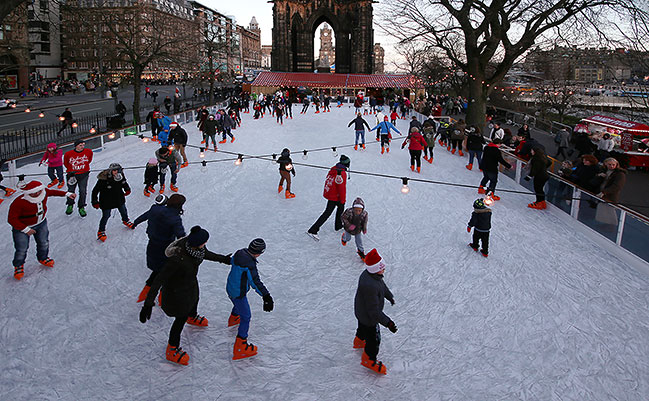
(27, 217)
(416, 144)
(335, 191)
(394, 116)
(77, 162)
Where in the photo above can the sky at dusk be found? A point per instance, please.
(244, 10)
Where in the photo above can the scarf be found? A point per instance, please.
(198, 253)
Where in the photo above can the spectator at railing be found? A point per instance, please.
(585, 173)
(583, 144)
(524, 132)
(524, 149)
(614, 180)
(507, 137)
(538, 169)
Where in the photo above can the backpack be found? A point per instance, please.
(557, 137)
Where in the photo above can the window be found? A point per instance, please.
(45, 37)
(30, 14)
(44, 5)
(2, 34)
(45, 47)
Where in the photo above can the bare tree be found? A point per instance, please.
(136, 38)
(475, 34)
(7, 6)
(557, 95)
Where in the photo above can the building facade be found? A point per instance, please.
(44, 21)
(378, 59)
(250, 45)
(266, 51)
(294, 25)
(101, 38)
(14, 51)
(220, 40)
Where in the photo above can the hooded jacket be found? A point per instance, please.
(415, 141)
(491, 156)
(370, 299)
(178, 280)
(53, 159)
(481, 219)
(613, 185)
(108, 193)
(360, 221)
(165, 224)
(333, 191)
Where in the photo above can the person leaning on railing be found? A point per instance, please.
(614, 180)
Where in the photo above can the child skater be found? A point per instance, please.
(368, 308)
(285, 169)
(53, 157)
(481, 223)
(355, 222)
(151, 174)
(110, 193)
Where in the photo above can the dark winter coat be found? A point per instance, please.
(475, 142)
(613, 185)
(150, 117)
(108, 193)
(283, 161)
(178, 279)
(359, 220)
(151, 174)
(359, 124)
(491, 157)
(165, 224)
(586, 177)
(178, 136)
(457, 131)
(228, 122)
(481, 219)
(243, 275)
(525, 133)
(414, 123)
(539, 166)
(370, 298)
(209, 127)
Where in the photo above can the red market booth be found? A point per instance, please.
(625, 133)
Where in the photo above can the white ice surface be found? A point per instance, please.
(550, 315)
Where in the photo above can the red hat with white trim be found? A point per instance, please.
(374, 262)
(33, 187)
(173, 124)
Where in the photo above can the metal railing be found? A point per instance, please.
(624, 227)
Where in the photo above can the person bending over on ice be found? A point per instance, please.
(481, 223)
(179, 286)
(368, 308)
(110, 193)
(355, 222)
(285, 169)
(243, 275)
(27, 218)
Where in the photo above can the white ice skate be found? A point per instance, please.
(314, 236)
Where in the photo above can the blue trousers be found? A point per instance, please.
(21, 243)
(360, 133)
(242, 308)
(477, 154)
(105, 215)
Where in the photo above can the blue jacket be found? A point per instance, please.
(243, 275)
(385, 127)
(163, 135)
(165, 224)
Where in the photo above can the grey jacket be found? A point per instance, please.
(360, 221)
(370, 298)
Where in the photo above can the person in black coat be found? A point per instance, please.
(120, 109)
(474, 144)
(491, 157)
(165, 225)
(179, 287)
(359, 126)
(67, 121)
(585, 174)
(178, 136)
(538, 168)
(524, 132)
(167, 104)
(151, 117)
(368, 309)
(584, 145)
(209, 131)
(285, 169)
(481, 224)
(110, 193)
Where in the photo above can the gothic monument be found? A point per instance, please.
(294, 25)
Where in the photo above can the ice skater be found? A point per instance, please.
(481, 224)
(335, 192)
(354, 223)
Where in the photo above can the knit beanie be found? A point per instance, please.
(176, 201)
(257, 246)
(344, 160)
(374, 262)
(197, 236)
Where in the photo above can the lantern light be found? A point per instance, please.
(93, 129)
(202, 154)
(28, 110)
(289, 167)
(61, 118)
(41, 115)
(239, 160)
(404, 189)
(75, 125)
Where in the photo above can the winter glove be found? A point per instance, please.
(391, 326)
(403, 145)
(351, 227)
(145, 313)
(95, 205)
(268, 303)
(468, 229)
(293, 172)
(127, 193)
(391, 300)
(527, 178)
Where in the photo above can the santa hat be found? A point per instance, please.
(374, 262)
(173, 124)
(33, 187)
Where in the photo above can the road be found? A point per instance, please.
(81, 105)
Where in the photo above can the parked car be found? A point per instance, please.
(7, 103)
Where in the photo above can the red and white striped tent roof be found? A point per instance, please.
(326, 80)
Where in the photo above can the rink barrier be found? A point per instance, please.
(620, 225)
(98, 142)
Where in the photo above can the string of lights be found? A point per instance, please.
(238, 160)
